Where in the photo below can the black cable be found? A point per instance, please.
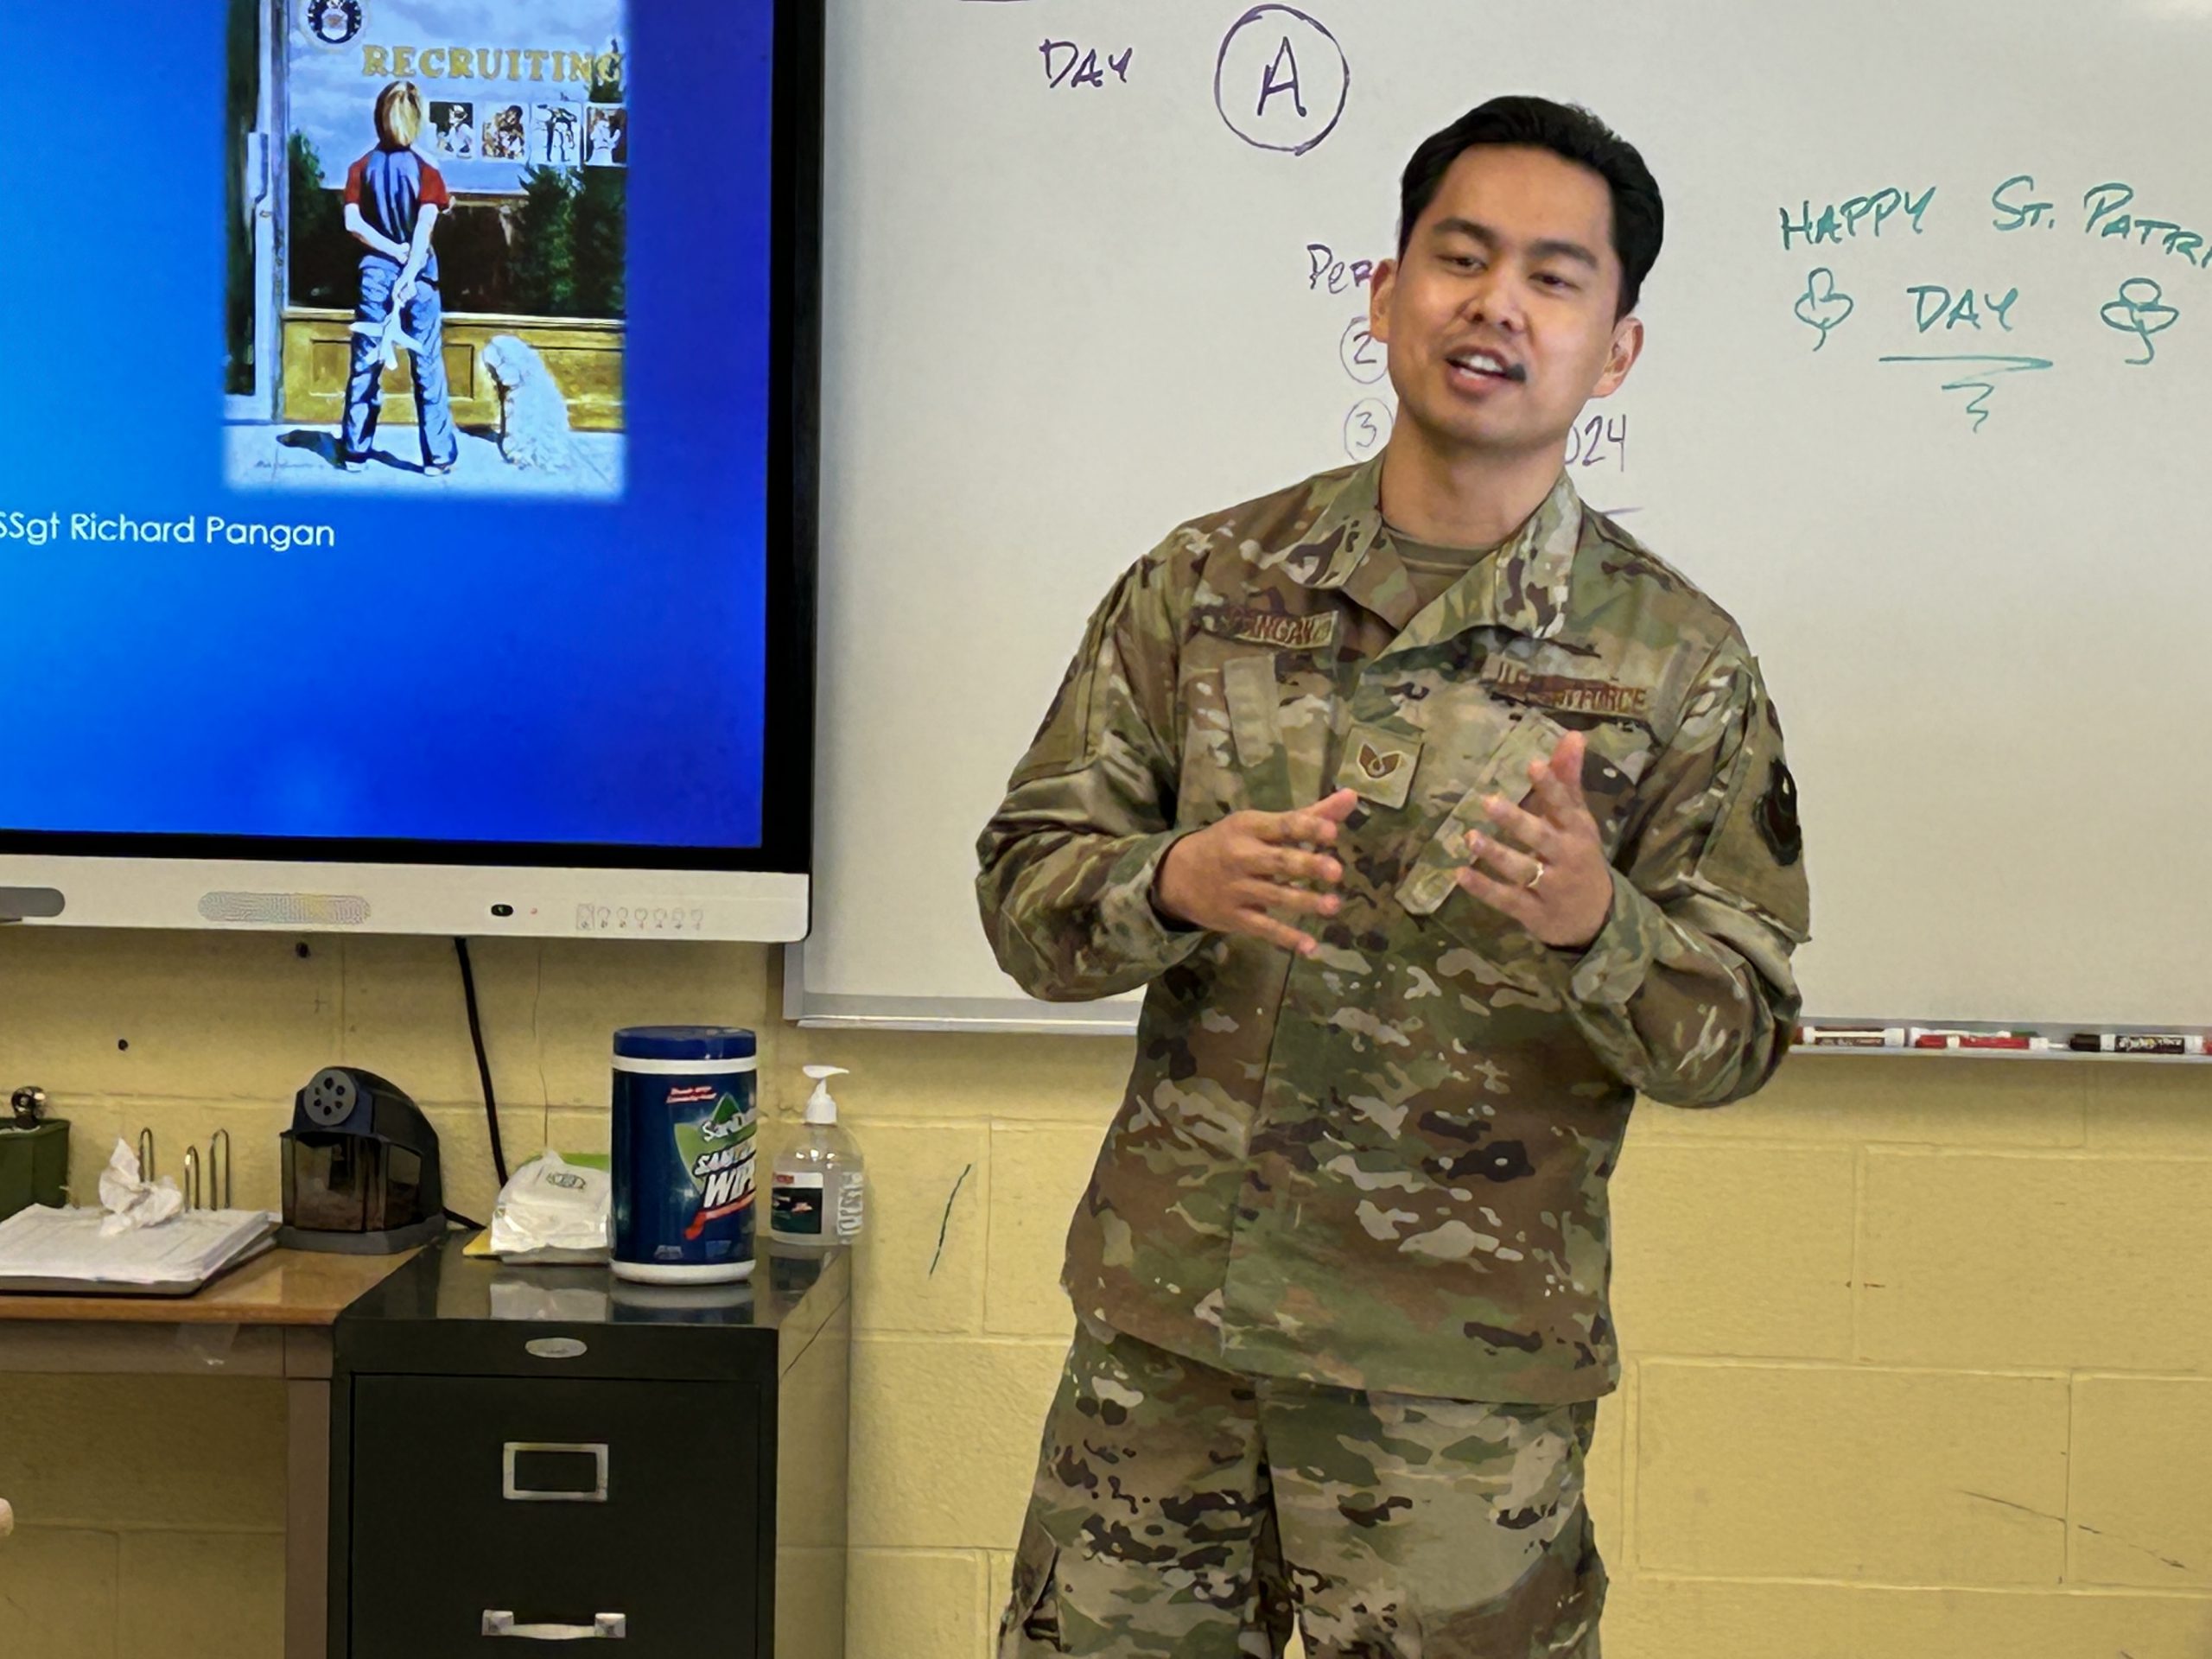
(460, 1220)
(483, 1065)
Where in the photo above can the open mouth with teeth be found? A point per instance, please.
(1486, 368)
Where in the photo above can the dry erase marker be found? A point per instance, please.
(1851, 1036)
(2134, 1042)
(1984, 1041)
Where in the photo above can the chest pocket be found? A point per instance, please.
(1432, 875)
(1259, 728)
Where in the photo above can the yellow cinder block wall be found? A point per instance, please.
(1921, 1350)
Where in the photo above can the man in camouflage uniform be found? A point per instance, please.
(1341, 1273)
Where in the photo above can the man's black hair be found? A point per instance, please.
(1570, 132)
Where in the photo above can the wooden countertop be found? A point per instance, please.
(295, 1288)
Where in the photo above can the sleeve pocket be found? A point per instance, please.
(1754, 856)
(1063, 742)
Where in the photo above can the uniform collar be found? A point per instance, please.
(1524, 587)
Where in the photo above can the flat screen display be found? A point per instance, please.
(399, 456)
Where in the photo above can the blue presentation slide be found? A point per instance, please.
(385, 453)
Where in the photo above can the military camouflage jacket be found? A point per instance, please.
(1385, 1167)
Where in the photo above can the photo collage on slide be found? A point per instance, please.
(438, 303)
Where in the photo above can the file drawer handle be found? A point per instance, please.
(515, 1494)
(604, 1627)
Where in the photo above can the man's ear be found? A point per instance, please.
(1627, 346)
(1379, 287)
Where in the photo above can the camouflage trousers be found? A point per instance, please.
(1189, 1513)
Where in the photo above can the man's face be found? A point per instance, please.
(1500, 317)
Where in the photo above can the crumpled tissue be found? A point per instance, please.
(553, 1211)
(131, 1201)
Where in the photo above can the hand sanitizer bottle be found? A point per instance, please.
(819, 1192)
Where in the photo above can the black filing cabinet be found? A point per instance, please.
(527, 1455)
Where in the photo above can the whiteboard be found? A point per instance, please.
(1071, 302)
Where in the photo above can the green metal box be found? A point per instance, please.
(34, 1165)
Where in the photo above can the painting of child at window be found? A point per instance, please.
(393, 199)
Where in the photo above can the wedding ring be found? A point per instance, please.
(1531, 883)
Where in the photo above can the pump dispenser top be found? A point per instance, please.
(820, 1108)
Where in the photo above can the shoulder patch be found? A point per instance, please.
(1777, 815)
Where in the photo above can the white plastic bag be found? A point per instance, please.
(553, 1211)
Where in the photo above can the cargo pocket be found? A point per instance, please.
(1030, 1626)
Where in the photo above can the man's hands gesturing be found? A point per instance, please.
(1545, 868)
(1227, 877)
